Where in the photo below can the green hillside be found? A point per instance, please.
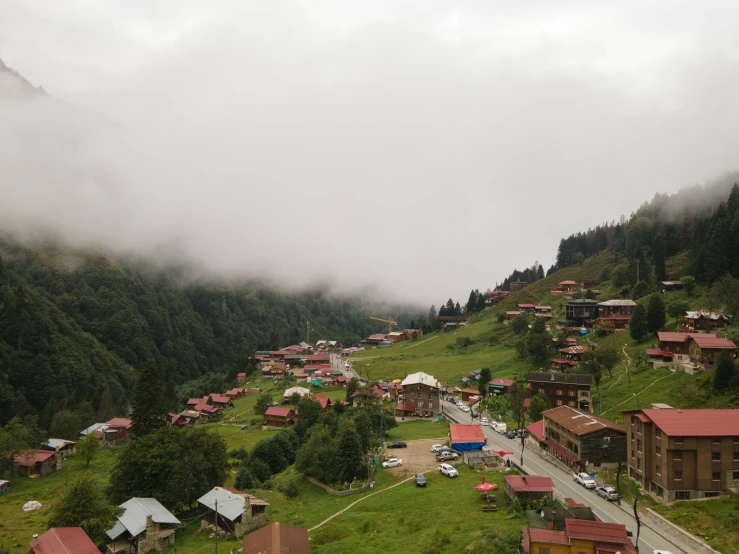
(493, 346)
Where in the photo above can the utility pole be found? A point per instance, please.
(216, 526)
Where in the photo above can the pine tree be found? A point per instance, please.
(638, 328)
(149, 402)
(656, 318)
(106, 409)
(725, 377)
(349, 452)
(658, 257)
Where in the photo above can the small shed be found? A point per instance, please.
(238, 512)
(464, 438)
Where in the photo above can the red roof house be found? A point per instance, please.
(528, 488)
(279, 417)
(37, 462)
(320, 358)
(63, 540)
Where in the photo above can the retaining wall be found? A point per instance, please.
(672, 530)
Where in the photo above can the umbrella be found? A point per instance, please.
(396, 381)
(486, 487)
(502, 453)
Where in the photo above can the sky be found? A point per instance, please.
(418, 149)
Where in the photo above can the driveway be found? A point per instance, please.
(566, 487)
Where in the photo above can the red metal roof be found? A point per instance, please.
(695, 423)
(537, 429)
(220, 398)
(502, 382)
(64, 540)
(403, 408)
(279, 412)
(470, 391)
(572, 504)
(466, 433)
(563, 361)
(600, 531)
(529, 483)
(562, 450)
(567, 283)
(704, 341)
(119, 422)
(524, 306)
(678, 337)
(614, 548)
(321, 399)
(658, 352)
(27, 458)
(317, 357)
(277, 538)
(545, 535)
(513, 312)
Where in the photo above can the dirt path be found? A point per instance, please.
(633, 395)
(419, 343)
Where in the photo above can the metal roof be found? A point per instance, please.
(56, 444)
(230, 505)
(65, 540)
(420, 378)
(133, 519)
(94, 427)
(617, 302)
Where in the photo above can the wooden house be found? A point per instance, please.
(528, 488)
(669, 286)
(144, 525)
(705, 350)
(576, 353)
(581, 312)
(589, 283)
(37, 462)
(61, 446)
(615, 314)
(561, 364)
(676, 344)
(543, 309)
(515, 286)
(706, 320)
(528, 308)
(279, 417)
(562, 389)
(567, 286)
(511, 315)
(423, 393)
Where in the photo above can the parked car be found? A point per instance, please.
(444, 456)
(449, 471)
(437, 447)
(475, 414)
(392, 462)
(448, 449)
(522, 433)
(466, 409)
(483, 421)
(510, 434)
(493, 424)
(501, 428)
(397, 444)
(585, 480)
(420, 480)
(609, 493)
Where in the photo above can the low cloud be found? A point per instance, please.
(398, 147)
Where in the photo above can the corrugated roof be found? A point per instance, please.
(64, 540)
(56, 444)
(465, 433)
(578, 422)
(277, 538)
(530, 483)
(704, 341)
(302, 391)
(695, 423)
(677, 337)
(561, 378)
(502, 382)
(119, 422)
(420, 378)
(94, 427)
(537, 429)
(27, 458)
(600, 531)
(133, 519)
(230, 505)
(577, 349)
(617, 302)
(546, 535)
(279, 412)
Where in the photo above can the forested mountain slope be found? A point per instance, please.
(74, 325)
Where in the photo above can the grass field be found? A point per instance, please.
(716, 521)
(419, 430)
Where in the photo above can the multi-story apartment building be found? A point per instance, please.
(421, 395)
(562, 389)
(583, 441)
(683, 454)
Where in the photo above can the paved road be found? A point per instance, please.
(337, 362)
(649, 540)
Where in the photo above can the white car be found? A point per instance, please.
(437, 447)
(585, 480)
(392, 462)
(449, 471)
(484, 421)
(493, 424)
(466, 409)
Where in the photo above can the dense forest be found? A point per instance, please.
(78, 328)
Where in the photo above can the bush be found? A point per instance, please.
(240, 454)
(464, 342)
(245, 479)
(500, 317)
(267, 485)
(289, 489)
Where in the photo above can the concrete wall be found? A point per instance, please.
(671, 530)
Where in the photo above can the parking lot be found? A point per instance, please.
(417, 457)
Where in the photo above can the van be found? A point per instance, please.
(501, 428)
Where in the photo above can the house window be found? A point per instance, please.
(419, 404)
(677, 455)
(658, 469)
(638, 445)
(735, 475)
(431, 404)
(678, 440)
(716, 476)
(658, 450)
(715, 440)
(571, 403)
(638, 463)
(677, 475)
(571, 392)
(639, 425)
(559, 392)
(682, 495)
(716, 456)
(541, 391)
(559, 402)
(658, 433)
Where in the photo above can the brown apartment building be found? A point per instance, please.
(683, 454)
(421, 395)
(562, 389)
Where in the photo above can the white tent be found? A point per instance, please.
(299, 390)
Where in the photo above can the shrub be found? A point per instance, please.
(289, 489)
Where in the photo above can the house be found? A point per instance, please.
(63, 540)
(705, 350)
(235, 393)
(576, 353)
(96, 430)
(583, 441)
(543, 309)
(589, 283)
(676, 344)
(515, 286)
(241, 376)
(205, 409)
(511, 315)
(500, 386)
(567, 286)
(536, 435)
(578, 536)
(561, 364)
(279, 417)
(466, 438)
(119, 428)
(528, 488)
(301, 391)
(581, 312)
(528, 308)
(342, 381)
(468, 393)
(655, 355)
(615, 314)
(450, 322)
(37, 462)
(277, 538)
(562, 389)
(669, 286)
(324, 401)
(63, 447)
(318, 359)
(706, 320)
(683, 454)
(423, 393)
(238, 512)
(144, 525)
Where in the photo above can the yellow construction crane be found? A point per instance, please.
(390, 322)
